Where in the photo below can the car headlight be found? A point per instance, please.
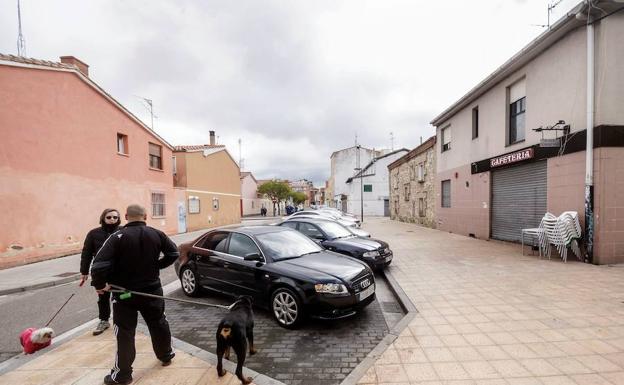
(371, 254)
(330, 288)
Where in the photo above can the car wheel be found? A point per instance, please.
(286, 307)
(190, 284)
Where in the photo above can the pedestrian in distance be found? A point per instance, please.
(109, 223)
(130, 258)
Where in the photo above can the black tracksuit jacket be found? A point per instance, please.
(130, 258)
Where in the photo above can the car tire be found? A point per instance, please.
(189, 282)
(286, 308)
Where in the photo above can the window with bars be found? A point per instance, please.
(446, 193)
(155, 156)
(422, 207)
(158, 204)
(194, 205)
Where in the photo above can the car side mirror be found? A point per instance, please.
(252, 257)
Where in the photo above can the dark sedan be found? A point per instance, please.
(335, 237)
(282, 269)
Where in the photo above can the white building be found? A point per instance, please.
(343, 165)
(375, 185)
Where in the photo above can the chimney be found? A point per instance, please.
(212, 138)
(82, 67)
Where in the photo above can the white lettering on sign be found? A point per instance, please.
(512, 158)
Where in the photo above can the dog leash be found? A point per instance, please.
(59, 310)
(125, 294)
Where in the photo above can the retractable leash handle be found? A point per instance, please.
(125, 294)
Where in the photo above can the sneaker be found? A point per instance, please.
(108, 380)
(99, 329)
(167, 361)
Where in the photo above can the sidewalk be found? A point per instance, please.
(55, 271)
(489, 316)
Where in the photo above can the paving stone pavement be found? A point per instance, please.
(319, 352)
(487, 315)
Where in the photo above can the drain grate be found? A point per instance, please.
(391, 307)
(68, 274)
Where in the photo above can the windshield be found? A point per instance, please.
(334, 230)
(286, 244)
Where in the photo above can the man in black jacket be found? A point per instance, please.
(109, 223)
(130, 258)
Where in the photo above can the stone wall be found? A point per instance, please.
(412, 200)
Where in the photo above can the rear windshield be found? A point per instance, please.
(286, 244)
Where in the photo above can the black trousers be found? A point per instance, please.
(125, 313)
(104, 307)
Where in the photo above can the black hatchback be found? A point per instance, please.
(282, 269)
(335, 237)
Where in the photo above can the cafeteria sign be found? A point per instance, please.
(512, 158)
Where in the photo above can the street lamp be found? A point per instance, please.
(359, 168)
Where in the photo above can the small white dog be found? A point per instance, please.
(35, 339)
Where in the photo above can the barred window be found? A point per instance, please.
(194, 205)
(446, 193)
(158, 204)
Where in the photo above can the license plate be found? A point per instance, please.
(366, 293)
(388, 258)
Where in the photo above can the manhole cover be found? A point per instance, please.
(69, 273)
(391, 307)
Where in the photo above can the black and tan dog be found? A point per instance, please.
(235, 330)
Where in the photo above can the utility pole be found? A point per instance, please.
(21, 43)
(359, 169)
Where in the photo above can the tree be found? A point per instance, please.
(298, 197)
(276, 191)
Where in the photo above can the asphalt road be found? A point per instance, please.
(35, 308)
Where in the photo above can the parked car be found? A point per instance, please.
(335, 237)
(325, 214)
(283, 270)
(349, 225)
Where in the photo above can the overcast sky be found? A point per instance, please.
(294, 80)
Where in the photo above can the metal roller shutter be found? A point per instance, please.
(518, 199)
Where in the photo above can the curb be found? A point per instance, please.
(370, 359)
(41, 285)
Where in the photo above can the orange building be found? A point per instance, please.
(209, 178)
(68, 151)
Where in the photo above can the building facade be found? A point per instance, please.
(251, 201)
(69, 150)
(514, 147)
(343, 165)
(372, 183)
(210, 179)
(412, 185)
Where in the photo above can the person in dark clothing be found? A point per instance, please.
(109, 223)
(130, 258)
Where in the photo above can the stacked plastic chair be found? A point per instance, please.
(561, 231)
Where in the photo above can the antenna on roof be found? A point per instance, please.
(21, 43)
(551, 5)
(391, 141)
(356, 142)
(150, 107)
(240, 154)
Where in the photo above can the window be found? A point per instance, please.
(422, 207)
(446, 193)
(421, 172)
(475, 122)
(155, 156)
(292, 225)
(406, 190)
(241, 245)
(446, 138)
(215, 204)
(158, 204)
(412, 171)
(368, 188)
(310, 230)
(517, 111)
(194, 205)
(214, 241)
(174, 165)
(252, 204)
(122, 144)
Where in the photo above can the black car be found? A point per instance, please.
(282, 269)
(335, 237)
